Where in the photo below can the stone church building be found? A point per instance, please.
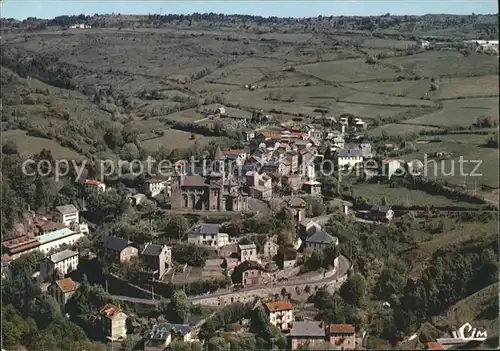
(215, 192)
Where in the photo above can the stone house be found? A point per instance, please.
(308, 334)
(342, 336)
(270, 248)
(111, 321)
(293, 180)
(381, 213)
(280, 314)
(154, 186)
(62, 290)
(118, 250)
(248, 273)
(320, 240)
(247, 252)
(157, 258)
(94, 186)
(286, 258)
(297, 208)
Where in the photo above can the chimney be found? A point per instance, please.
(321, 324)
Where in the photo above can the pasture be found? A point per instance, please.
(447, 63)
(348, 71)
(373, 193)
(450, 88)
(459, 113)
(468, 147)
(176, 139)
(393, 129)
(30, 145)
(405, 88)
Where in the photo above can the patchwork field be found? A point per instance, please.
(378, 43)
(379, 99)
(450, 88)
(406, 88)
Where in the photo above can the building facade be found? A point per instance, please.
(62, 262)
(66, 214)
(342, 336)
(158, 259)
(280, 314)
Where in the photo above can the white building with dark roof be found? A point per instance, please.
(161, 335)
(62, 262)
(66, 214)
(320, 240)
(158, 259)
(208, 234)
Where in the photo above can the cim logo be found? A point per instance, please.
(466, 332)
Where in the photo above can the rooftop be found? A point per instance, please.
(20, 243)
(66, 285)
(380, 208)
(209, 228)
(110, 311)
(308, 328)
(116, 243)
(93, 182)
(161, 331)
(55, 235)
(247, 246)
(63, 255)
(279, 306)
(153, 250)
(434, 346)
(66, 209)
(321, 237)
(341, 329)
(350, 153)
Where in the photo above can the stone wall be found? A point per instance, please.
(246, 296)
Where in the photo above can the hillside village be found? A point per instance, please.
(272, 230)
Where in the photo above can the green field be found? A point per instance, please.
(393, 129)
(470, 148)
(459, 113)
(373, 193)
(348, 71)
(467, 87)
(406, 88)
(447, 63)
(379, 99)
(379, 43)
(30, 145)
(176, 139)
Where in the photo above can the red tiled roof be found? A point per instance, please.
(341, 329)
(20, 243)
(233, 152)
(93, 182)
(434, 346)
(109, 311)
(66, 285)
(279, 306)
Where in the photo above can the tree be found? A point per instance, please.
(149, 207)
(179, 306)
(175, 226)
(354, 290)
(218, 344)
(316, 260)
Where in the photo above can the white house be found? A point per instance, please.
(280, 314)
(66, 214)
(349, 158)
(154, 187)
(208, 234)
(63, 262)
